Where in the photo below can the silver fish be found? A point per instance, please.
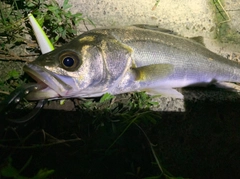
(128, 59)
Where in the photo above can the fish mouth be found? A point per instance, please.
(50, 85)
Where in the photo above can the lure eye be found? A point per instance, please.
(70, 61)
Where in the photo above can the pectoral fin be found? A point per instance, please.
(156, 72)
(152, 72)
(166, 92)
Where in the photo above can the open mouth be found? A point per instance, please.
(50, 85)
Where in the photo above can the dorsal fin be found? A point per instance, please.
(154, 27)
(198, 39)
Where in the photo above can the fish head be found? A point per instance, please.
(87, 66)
(72, 70)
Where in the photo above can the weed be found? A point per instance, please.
(10, 171)
(58, 22)
(220, 8)
(224, 33)
(155, 5)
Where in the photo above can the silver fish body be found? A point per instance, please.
(121, 60)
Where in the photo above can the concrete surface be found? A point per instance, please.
(188, 18)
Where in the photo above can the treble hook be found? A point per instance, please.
(15, 97)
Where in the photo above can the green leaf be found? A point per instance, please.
(52, 8)
(106, 97)
(30, 4)
(14, 74)
(43, 173)
(56, 38)
(88, 104)
(66, 5)
(40, 20)
(9, 171)
(153, 177)
(62, 102)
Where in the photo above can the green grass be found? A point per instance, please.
(104, 125)
(10, 171)
(58, 22)
(17, 40)
(224, 33)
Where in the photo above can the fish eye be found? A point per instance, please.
(70, 61)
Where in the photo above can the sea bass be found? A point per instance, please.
(127, 59)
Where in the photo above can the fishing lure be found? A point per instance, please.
(16, 96)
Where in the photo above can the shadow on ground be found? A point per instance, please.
(203, 142)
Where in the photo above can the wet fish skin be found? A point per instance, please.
(121, 60)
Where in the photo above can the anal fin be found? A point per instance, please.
(166, 92)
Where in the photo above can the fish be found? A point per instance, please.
(120, 60)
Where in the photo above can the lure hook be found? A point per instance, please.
(15, 97)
